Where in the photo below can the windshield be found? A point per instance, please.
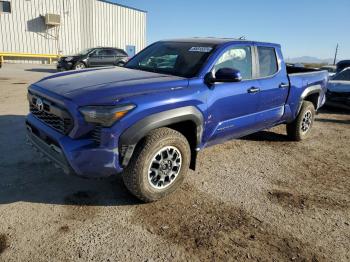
(173, 58)
(84, 52)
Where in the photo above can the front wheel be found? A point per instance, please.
(79, 66)
(300, 128)
(158, 166)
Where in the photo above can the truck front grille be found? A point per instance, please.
(96, 134)
(53, 116)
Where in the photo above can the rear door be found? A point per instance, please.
(273, 83)
(95, 58)
(110, 57)
(232, 106)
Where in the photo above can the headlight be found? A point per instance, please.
(105, 115)
(69, 58)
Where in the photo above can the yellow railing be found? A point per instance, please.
(25, 55)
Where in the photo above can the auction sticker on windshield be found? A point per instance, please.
(200, 49)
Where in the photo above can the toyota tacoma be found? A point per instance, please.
(149, 119)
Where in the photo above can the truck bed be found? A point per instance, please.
(302, 80)
(298, 70)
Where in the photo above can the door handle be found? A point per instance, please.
(284, 85)
(253, 90)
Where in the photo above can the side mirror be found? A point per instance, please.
(228, 75)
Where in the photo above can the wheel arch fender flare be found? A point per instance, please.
(310, 90)
(131, 136)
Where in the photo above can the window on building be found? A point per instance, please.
(5, 7)
(267, 61)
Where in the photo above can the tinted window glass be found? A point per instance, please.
(238, 57)
(267, 61)
(5, 7)
(103, 52)
(343, 76)
(111, 52)
(97, 52)
(174, 58)
(84, 52)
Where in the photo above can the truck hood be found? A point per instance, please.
(339, 86)
(101, 85)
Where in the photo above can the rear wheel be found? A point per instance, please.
(158, 166)
(79, 66)
(300, 128)
(120, 64)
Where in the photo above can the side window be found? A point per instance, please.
(103, 52)
(267, 61)
(238, 57)
(96, 52)
(112, 52)
(5, 7)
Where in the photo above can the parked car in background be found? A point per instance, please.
(341, 65)
(149, 119)
(332, 69)
(338, 94)
(93, 57)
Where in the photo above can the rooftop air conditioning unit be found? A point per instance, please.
(52, 19)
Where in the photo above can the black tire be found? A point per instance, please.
(300, 128)
(120, 64)
(79, 65)
(136, 174)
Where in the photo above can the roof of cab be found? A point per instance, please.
(217, 41)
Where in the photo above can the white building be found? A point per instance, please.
(68, 26)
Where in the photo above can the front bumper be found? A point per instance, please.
(63, 65)
(75, 156)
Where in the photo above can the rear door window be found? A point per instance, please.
(267, 61)
(104, 52)
(112, 52)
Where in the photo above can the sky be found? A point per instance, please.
(303, 28)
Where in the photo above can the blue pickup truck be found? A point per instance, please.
(149, 119)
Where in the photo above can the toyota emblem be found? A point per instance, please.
(39, 104)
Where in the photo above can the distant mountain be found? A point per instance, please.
(309, 60)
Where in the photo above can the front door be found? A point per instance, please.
(232, 107)
(110, 57)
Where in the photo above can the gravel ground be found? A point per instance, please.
(261, 198)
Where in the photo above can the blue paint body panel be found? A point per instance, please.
(228, 110)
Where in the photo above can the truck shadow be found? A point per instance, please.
(335, 121)
(24, 176)
(333, 111)
(267, 136)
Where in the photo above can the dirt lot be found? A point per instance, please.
(261, 198)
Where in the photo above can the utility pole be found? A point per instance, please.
(336, 53)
